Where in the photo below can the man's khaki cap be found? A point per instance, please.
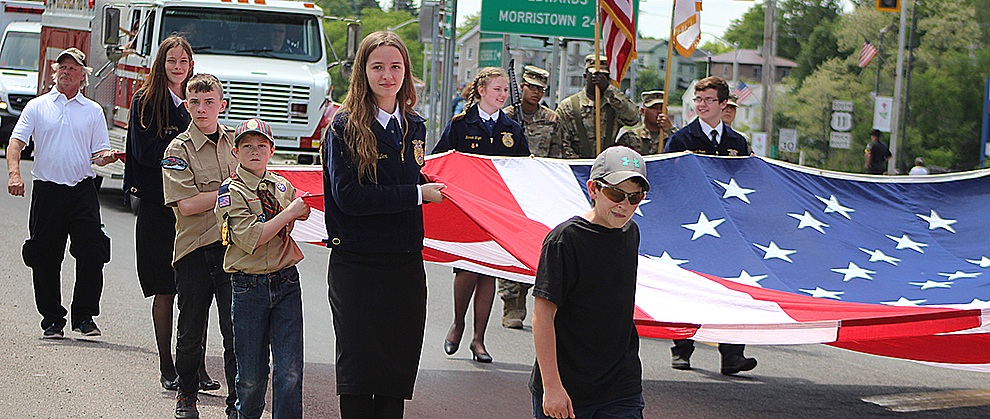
(651, 98)
(76, 55)
(535, 76)
(733, 100)
(589, 62)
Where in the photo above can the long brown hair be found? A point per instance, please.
(362, 146)
(154, 90)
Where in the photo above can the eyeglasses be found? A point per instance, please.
(535, 87)
(618, 195)
(709, 100)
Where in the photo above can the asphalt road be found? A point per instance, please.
(116, 375)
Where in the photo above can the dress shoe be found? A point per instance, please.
(482, 357)
(449, 347)
(737, 364)
(680, 362)
(209, 385)
(170, 385)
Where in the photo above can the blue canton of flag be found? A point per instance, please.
(894, 240)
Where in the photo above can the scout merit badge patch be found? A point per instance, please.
(174, 163)
(419, 152)
(507, 139)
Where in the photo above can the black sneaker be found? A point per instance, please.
(185, 406)
(680, 362)
(53, 332)
(88, 328)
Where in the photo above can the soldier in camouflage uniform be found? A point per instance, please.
(543, 134)
(648, 136)
(539, 122)
(576, 113)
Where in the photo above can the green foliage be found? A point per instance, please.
(374, 19)
(469, 22)
(715, 48)
(748, 30)
(820, 46)
(647, 79)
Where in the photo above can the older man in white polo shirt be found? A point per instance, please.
(70, 133)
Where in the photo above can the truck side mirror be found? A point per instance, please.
(353, 40)
(111, 27)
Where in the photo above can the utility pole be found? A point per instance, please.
(896, 114)
(769, 70)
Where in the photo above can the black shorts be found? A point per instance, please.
(154, 240)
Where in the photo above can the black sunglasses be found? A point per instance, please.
(618, 195)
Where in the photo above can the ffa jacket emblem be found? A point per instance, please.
(419, 152)
(507, 139)
(280, 187)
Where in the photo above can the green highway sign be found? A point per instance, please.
(567, 18)
(490, 50)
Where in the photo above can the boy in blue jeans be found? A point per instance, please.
(256, 210)
(587, 347)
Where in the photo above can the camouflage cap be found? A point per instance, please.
(77, 55)
(651, 98)
(589, 62)
(253, 126)
(535, 76)
(733, 100)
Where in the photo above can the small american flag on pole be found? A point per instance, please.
(867, 53)
(743, 92)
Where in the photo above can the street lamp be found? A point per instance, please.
(393, 28)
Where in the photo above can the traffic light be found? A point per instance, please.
(889, 5)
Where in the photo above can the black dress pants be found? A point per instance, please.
(59, 213)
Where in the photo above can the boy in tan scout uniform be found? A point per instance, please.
(540, 122)
(261, 257)
(196, 162)
(576, 113)
(648, 136)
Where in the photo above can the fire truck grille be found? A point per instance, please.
(269, 102)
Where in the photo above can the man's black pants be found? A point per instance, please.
(199, 278)
(59, 212)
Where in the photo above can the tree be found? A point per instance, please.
(715, 48)
(336, 8)
(647, 79)
(469, 22)
(820, 46)
(360, 6)
(748, 30)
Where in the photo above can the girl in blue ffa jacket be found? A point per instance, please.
(157, 115)
(482, 129)
(371, 174)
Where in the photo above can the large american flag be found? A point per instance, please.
(619, 33)
(867, 53)
(748, 250)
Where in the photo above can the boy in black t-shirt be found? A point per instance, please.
(587, 347)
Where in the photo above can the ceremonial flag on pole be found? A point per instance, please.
(743, 92)
(743, 250)
(619, 31)
(867, 53)
(687, 26)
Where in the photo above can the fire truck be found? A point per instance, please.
(270, 56)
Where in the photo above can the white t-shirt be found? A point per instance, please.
(918, 171)
(66, 134)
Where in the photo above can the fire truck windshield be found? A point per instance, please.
(247, 33)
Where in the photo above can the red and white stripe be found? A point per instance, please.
(866, 54)
(619, 33)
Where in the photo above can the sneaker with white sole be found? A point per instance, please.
(87, 328)
(53, 332)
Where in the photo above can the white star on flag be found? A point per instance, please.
(641, 203)
(704, 226)
(666, 259)
(818, 292)
(984, 262)
(733, 190)
(772, 251)
(879, 256)
(904, 242)
(958, 275)
(853, 271)
(934, 221)
(903, 302)
(832, 205)
(747, 279)
(932, 284)
(808, 221)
